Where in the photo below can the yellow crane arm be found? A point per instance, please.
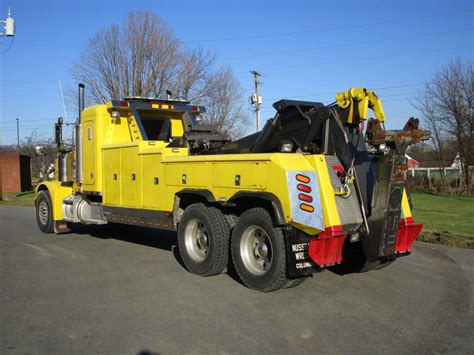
(359, 100)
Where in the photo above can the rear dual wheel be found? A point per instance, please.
(257, 247)
(203, 240)
(258, 251)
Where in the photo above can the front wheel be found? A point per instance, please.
(258, 251)
(203, 239)
(44, 212)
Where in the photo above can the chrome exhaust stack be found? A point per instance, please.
(79, 136)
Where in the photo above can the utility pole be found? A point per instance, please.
(256, 99)
(18, 133)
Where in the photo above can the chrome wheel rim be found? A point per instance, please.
(196, 240)
(43, 212)
(256, 250)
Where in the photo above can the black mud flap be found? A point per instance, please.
(386, 209)
(297, 259)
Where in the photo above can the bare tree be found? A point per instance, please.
(145, 58)
(229, 118)
(447, 106)
(424, 103)
(42, 153)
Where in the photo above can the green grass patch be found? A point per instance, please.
(447, 219)
(18, 199)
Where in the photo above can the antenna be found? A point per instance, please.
(62, 98)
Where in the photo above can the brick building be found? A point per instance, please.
(15, 173)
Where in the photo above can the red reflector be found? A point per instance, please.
(195, 108)
(307, 208)
(303, 178)
(326, 250)
(123, 103)
(160, 106)
(304, 188)
(305, 198)
(166, 214)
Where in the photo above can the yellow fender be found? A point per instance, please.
(58, 191)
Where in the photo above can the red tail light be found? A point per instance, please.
(305, 198)
(304, 188)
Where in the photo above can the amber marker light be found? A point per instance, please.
(307, 208)
(303, 178)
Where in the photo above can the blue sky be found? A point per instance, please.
(307, 50)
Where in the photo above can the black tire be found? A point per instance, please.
(44, 212)
(375, 265)
(296, 282)
(203, 240)
(355, 261)
(258, 251)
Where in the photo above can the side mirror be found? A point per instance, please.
(58, 132)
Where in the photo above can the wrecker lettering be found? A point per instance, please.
(303, 265)
(299, 247)
(156, 163)
(299, 256)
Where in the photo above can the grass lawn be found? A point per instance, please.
(447, 219)
(18, 199)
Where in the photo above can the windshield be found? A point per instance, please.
(156, 125)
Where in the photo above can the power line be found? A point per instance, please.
(36, 120)
(31, 94)
(31, 127)
(268, 108)
(11, 126)
(365, 58)
(297, 66)
(33, 82)
(335, 28)
(335, 92)
(280, 34)
(9, 46)
(51, 120)
(343, 45)
(32, 44)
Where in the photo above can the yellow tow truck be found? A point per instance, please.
(311, 190)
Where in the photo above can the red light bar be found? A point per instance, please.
(124, 103)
